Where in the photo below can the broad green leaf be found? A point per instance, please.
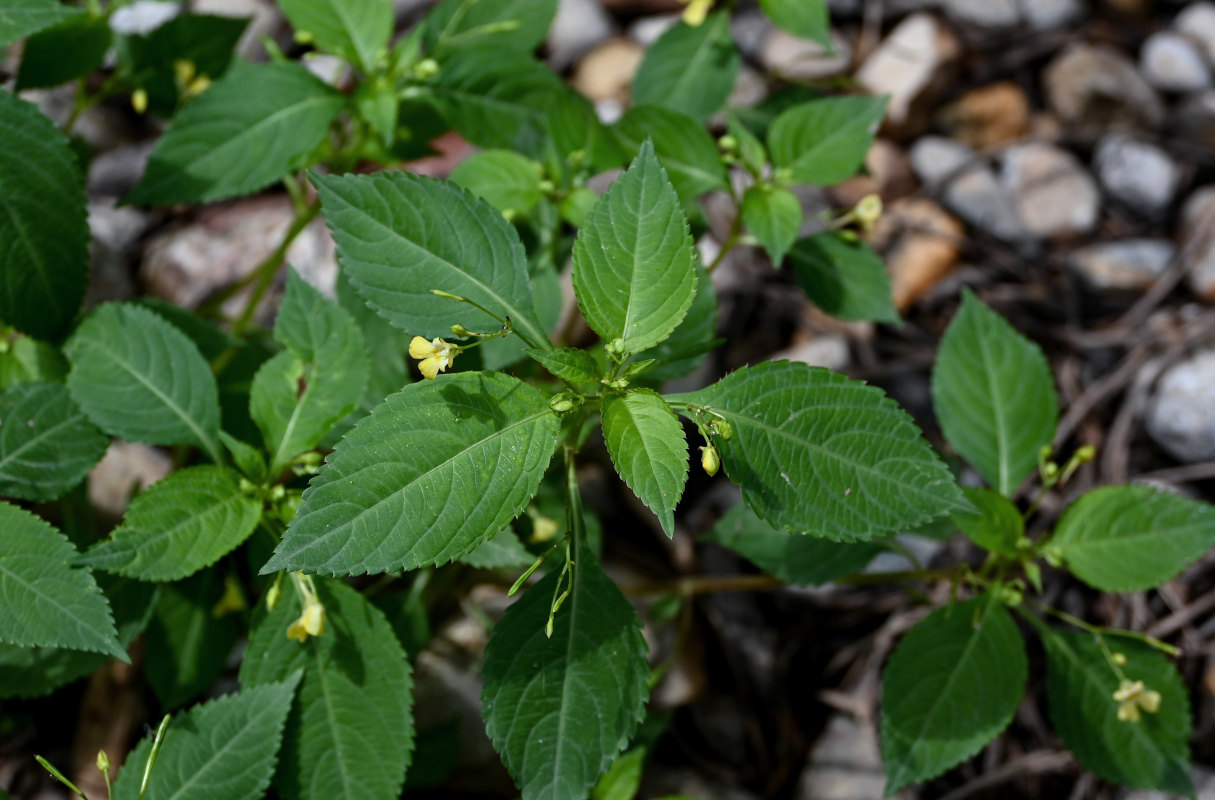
(48, 602)
(684, 350)
(206, 42)
(432, 472)
(300, 394)
(493, 25)
(559, 709)
(823, 142)
(805, 560)
(350, 733)
(36, 671)
(503, 551)
(1153, 753)
(31, 361)
(399, 236)
(255, 125)
(386, 345)
(207, 337)
(684, 148)
(47, 445)
(622, 781)
(70, 49)
(846, 279)
(1131, 538)
(178, 526)
(574, 126)
(42, 223)
(20, 18)
(689, 69)
(138, 377)
(356, 30)
(187, 644)
(774, 216)
(222, 748)
(805, 18)
(994, 395)
(818, 453)
(750, 149)
(569, 363)
(648, 448)
(506, 180)
(952, 684)
(634, 263)
(247, 458)
(997, 527)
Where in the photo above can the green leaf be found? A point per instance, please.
(997, 526)
(689, 69)
(47, 445)
(70, 49)
(684, 148)
(248, 459)
(1131, 538)
(432, 472)
(1153, 753)
(20, 18)
(42, 223)
(622, 781)
(569, 363)
(559, 709)
(573, 125)
(804, 560)
(300, 394)
(684, 350)
(350, 733)
(138, 377)
(223, 748)
(774, 216)
(187, 644)
(255, 125)
(953, 683)
(505, 180)
(823, 142)
(503, 551)
(205, 41)
(356, 30)
(491, 25)
(994, 395)
(648, 448)
(815, 452)
(846, 279)
(634, 271)
(385, 344)
(178, 526)
(399, 236)
(31, 361)
(750, 149)
(47, 602)
(805, 18)
(36, 671)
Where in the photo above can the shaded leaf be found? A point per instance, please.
(997, 527)
(503, 551)
(805, 18)
(569, 363)
(356, 30)
(20, 18)
(47, 445)
(684, 148)
(505, 180)
(187, 645)
(207, 42)
(846, 279)
(495, 25)
(689, 69)
(684, 350)
(70, 49)
(774, 216)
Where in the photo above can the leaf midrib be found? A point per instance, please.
(693, 64)
(47, 432)
(997, 409)
(81, 624)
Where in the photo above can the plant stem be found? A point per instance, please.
(1101, 631)
(754, 583)
(729, 244)
(263, 276)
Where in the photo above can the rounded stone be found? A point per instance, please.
(1181, 416)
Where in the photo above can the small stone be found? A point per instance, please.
(1129, 264)
(115, 231)
(1004, 14)
(1197, 21)
(1139, 174)
(828, 350)
(887, 173)
(606, 72)
(142, 17)
(792, 58)
(1197, 241)
(909, 65)
(647, 30)
(125, 468)
(750, 29)
(1098, 85)
(115, 172)
(979, 197)
(987, 116)
(844, 764)
(1052, 192)
(919, 241)
(1181, 417)
(1204, 784)
(935, 158)
(578, 26)
(264, 17)
(1172, 63)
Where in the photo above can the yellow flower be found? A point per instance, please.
(696, 12)
(139, 100)
(433, 357)
(1132, 696)
(867, 212)
(310, 623)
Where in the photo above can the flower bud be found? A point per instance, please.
(722, 428)
(709, 460)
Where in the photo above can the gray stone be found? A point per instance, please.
(750, 28)
(1003, 14)
(980, 198)
(115, 231)
(845, 764)
(264, 17)
(142, 17)
(1197, 20)
(125, 468)
(1204, 788)
(1139, 174)
(1181, 417)
(828, 350)
(792, 57)
(1128, 264)
(1098, 85)
(115, 172)
(935, 158)
(647, 30)
(1053, 194)
(578, 26)
(909, 63)
(1197, 241)
(1173, 63)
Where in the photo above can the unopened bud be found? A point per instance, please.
(722, 428)
(728, 143)
(563, 402)
(615, 348)
(1086, 453)
(103, 761)
(139, 101)
(709, 460)
(425, 69)
(460, 330)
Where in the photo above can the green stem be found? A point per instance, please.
(263, 276)
(156, 742)
(1101, 631)
(729, 244)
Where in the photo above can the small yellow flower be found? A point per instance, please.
(696, 12)
(139, 100)
(433, 357)
(1132, 696)
(310, 623)
(867, 212)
